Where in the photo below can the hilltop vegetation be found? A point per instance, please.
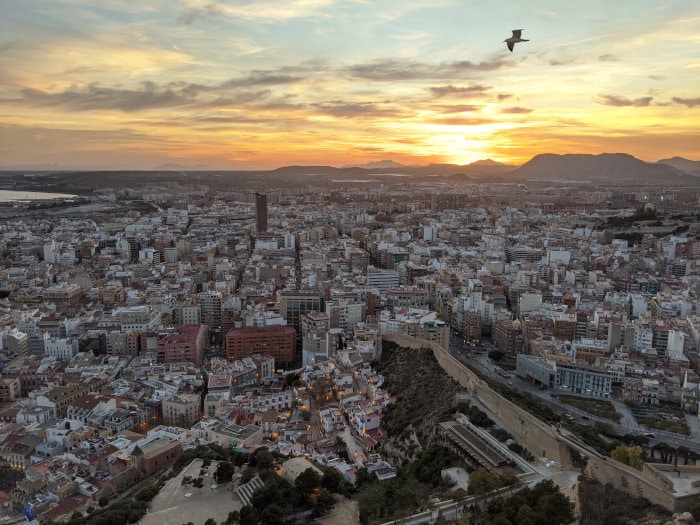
(425, 396)
(600, 503)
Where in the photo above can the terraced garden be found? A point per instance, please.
(596, 407)
(661, 417)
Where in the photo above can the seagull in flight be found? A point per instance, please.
(515, 39)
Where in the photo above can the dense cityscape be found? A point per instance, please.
(331, 262)
(143, 324)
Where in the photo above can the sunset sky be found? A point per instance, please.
(259, 84)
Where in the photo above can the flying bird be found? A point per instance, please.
(515, 39)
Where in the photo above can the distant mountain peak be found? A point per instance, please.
(691, 167)
(377, 164)
(486, 162)
(602, 167)
(181, 167)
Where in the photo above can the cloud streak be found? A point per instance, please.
(516, 111)
(689, 102)
(392, 70)
(617, 101)
(262, 10)
(325, 80)
(343, 109)
(450, 90)
(149, 95)
(100, 98)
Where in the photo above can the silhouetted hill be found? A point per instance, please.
(604, 168)
(607, 167)
(182, 167)
(377, 164)
(691, 167)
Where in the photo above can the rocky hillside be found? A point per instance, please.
(425, 396)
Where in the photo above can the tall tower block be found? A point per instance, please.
(261, 212)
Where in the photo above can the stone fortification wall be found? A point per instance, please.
(543, 440)
(649, 483)
(538, 437)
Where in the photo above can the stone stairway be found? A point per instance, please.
(246, 490)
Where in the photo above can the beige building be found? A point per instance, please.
(10, 389)
(182, 410)
(229, 434)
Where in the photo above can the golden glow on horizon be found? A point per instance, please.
(265, 83)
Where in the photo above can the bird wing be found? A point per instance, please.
(517, 33)
(510, 46)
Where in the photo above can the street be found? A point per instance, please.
(355, 450)
(478, 357)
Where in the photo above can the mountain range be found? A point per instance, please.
(691, 167)
(606, 167)
(610, 167)
(595, 169)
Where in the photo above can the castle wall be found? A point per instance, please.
(538, 437)
(543, 440)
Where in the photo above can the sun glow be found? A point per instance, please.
(456, 148)
(164, 83)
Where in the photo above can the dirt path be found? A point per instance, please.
(345, 512)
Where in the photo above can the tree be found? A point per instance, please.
(324, 502)
(481, 482)
(685, 452)
(526, 516)
(631, 456)
(496, 355)
(248, 514)
(555, 508)
(248, 474)
(332, 479)
(292, 379)
(272, 515)
(262, 458)
(429, 465)
(224, 472)
(479, 418)
(265, 495)
(363, 477)
(307, 481)
(372, 500)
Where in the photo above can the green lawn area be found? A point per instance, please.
(661, 417)
(597, 407)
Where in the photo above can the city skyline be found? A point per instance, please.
(261, 84)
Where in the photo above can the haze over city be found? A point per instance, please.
(260, 84)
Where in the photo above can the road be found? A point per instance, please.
(314, 420)
(355, 450)
(478, 358)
